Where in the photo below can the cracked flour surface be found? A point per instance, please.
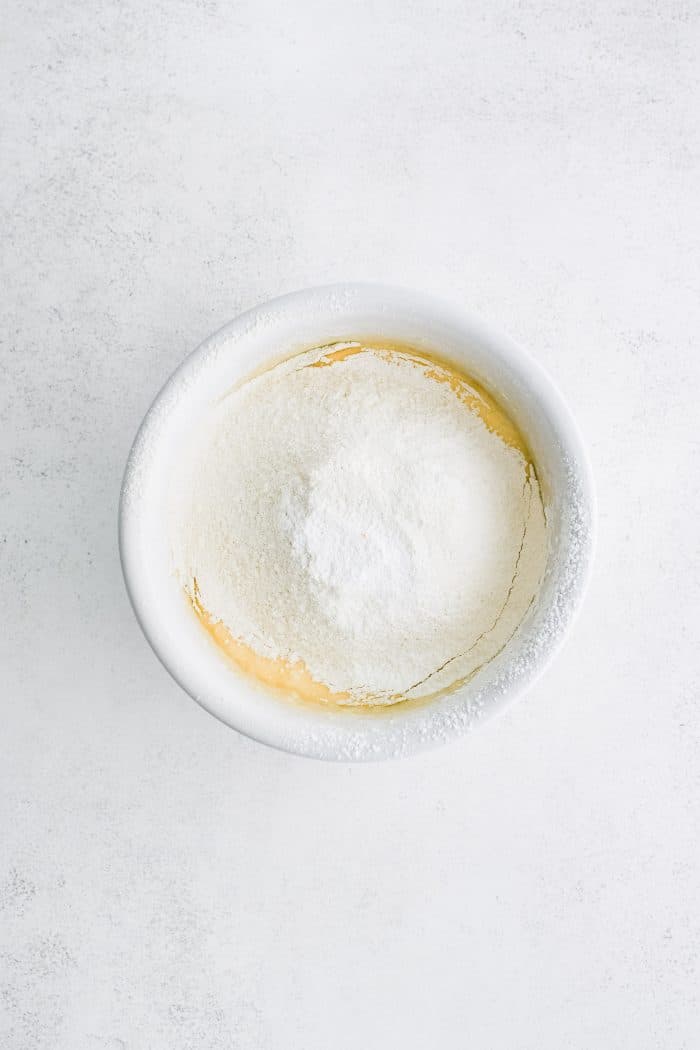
(375, 526)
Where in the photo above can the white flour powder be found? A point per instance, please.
(358, 516)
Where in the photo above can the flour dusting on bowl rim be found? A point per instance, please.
(275, 330)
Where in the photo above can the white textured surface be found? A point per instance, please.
(169, 884)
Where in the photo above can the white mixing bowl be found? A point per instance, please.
(277, 329)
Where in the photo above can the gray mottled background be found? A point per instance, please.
(167, 884)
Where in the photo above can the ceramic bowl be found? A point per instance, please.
(280, 328)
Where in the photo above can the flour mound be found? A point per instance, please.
(354, 514)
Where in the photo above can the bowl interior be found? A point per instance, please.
(274, 331)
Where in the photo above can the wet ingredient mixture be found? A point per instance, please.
(359, 525)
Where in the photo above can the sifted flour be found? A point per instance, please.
(359, 525)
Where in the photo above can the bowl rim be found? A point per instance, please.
(320, 736)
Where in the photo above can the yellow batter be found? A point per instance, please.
(293, 679)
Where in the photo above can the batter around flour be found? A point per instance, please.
(359, 525)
